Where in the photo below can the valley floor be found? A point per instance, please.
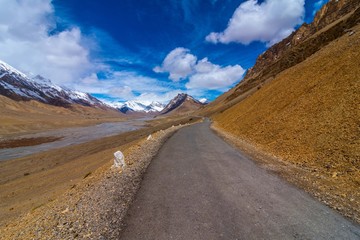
(36, 180)
(94, 206)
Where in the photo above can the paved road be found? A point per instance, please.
(199, 187)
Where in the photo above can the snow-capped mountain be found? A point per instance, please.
(203, 101)
(182, 103)
(138, 107)
(18, 86)
(155, 107)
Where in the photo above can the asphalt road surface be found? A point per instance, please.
(199, 187)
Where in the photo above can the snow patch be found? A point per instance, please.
(10, 69)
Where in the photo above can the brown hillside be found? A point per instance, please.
(287, 54)
(309, 117)
(328, 14)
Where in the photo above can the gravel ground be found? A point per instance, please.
(95, 208)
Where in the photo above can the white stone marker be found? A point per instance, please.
(119, 160)
(149, 137)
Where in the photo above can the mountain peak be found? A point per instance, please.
(6, 68)
(182, 103)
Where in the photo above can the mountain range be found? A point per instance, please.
(20, 87)
(179, 104)
(130, 107)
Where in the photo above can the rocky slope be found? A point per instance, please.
(335, 19)
(329, 13)
(182, 103)
(19, 87)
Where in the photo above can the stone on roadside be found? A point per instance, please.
(119, 160)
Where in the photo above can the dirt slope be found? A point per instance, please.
(309, 116)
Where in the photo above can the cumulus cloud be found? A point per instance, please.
(213, 77)
(202, 74)
(163, 97)
(124, 92)
(269, 22)
(124, 85)
(26, 42)
(179, 63)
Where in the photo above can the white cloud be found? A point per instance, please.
(179, 63)
(123, 85)
(202, 74)
(268, 22)
(164, 97)
(122, 92)
(214, 77)
(26, 44)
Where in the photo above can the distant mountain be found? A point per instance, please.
(182, 103)
(155, 107)
(19, 87)
(132, 107)
(204, 101)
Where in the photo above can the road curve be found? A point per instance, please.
(199, 187)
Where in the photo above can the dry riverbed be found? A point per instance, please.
(94, 207)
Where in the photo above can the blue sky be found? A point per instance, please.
(145, 50)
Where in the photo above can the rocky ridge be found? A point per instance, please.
(19, 87)
(329, 13)
(139, 107)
